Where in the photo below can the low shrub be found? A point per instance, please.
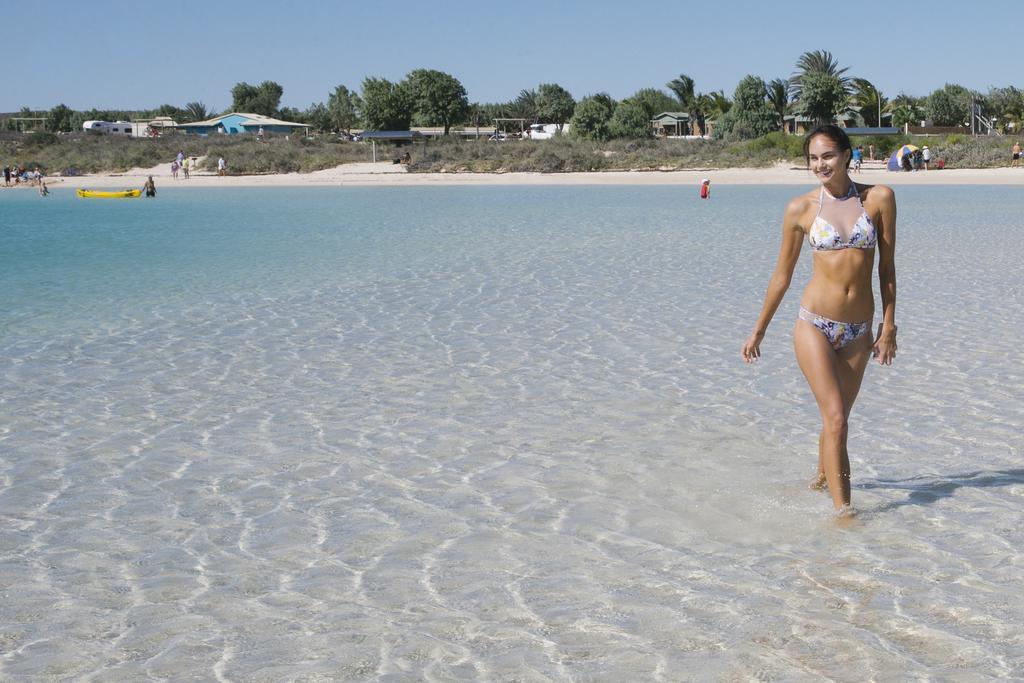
(244, 155)
(41, 138)
(788, 147)
(968, 152)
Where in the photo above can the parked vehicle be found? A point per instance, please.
(108, 128)
(543, 131)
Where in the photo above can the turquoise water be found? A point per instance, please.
(491, 434)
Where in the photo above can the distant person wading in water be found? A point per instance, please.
(844, 222)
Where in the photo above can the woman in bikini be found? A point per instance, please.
(844, 222)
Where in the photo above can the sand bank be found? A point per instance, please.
(388, 174)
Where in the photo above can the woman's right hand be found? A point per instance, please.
(752, 347)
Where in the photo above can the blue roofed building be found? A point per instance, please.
(236, 123)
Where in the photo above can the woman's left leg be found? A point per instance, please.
(834, 378)
(851, 361)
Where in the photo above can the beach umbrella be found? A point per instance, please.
(897, 156)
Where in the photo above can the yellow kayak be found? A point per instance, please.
(117, 194)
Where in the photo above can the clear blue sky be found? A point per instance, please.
(114, 55)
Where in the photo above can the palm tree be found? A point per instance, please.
(818, 61)
(906, 109)
(693, 104)
(903, 100)
(1007, 107)
(777, 92)
(682, 87)
(870, 100)
(197, 111)
(524, 106)
(829, 90)
(720, 104)
(702, 107)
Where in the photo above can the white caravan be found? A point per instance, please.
(106, 127)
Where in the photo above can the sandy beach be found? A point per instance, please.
(388, 174)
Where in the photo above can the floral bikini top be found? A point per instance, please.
(841, 223)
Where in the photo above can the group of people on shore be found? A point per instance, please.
(181, 164)
(912, 160)
(184, 165)
(15, 175)
(916, 160)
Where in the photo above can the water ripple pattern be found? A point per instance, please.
(492, 434)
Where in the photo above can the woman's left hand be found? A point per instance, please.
(885, 346)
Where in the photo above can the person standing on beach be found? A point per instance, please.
(871, 152)
(844, 223)
(174, 169)
(1015, 155)
(221, 166)
(184, 167)
(926, 155)
(7, 176)
(858, 157)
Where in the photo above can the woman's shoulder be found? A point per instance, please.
(801, 203)
(800, 210)
(877, 194)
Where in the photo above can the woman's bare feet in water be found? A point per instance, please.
(846, 516)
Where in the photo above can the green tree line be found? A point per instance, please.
(819, 90)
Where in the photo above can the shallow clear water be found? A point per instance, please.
(492, 434)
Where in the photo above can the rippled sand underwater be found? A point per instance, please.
(495, 434)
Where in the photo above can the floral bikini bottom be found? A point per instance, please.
(839, 334)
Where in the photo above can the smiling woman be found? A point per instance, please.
(844, 223)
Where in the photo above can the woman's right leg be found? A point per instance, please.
(817, 361)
